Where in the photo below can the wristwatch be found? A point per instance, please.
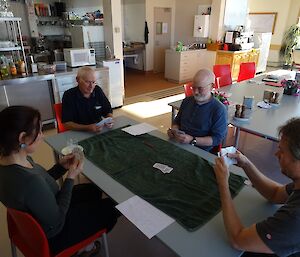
(194, 141)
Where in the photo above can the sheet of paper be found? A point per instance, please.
(139, 129)
(144, 216)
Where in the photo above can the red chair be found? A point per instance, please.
(188, 89)
(247, 71)
(27, 234)
(223, 75)
(58, 113)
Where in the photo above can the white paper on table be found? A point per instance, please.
(144, 216)
(139, 129)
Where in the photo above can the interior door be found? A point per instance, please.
(162, 36)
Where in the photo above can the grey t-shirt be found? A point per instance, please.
(281, 232)
(35, 191)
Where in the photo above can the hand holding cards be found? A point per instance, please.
(104, 121)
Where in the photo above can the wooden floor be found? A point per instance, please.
(140, 82)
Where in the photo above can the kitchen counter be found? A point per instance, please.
(18, 80)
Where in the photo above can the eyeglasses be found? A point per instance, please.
(202, 88)
(90, 82)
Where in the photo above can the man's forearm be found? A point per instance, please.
(75, 126)
(232, 221)
(265, 186)
(204, 141)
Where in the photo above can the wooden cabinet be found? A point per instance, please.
(235, 58)
(182, 66)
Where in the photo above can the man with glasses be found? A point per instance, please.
(85, 105)
(202, 119)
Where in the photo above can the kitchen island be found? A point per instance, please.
(41, 91)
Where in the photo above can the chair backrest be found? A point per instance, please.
(223, 75)
(188, 89)
(58, 117)
(247, 71)
(26, 233)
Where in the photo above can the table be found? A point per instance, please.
(210, 239)
(263, 122)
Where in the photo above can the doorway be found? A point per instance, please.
(162, 37)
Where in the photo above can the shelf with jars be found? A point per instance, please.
(12, 49)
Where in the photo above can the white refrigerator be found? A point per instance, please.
(262, 41)
(116, 82)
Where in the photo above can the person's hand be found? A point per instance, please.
(183, 138)
(241, 159)
(75, 169)
(94, 128)
(221, 171)
(170, 133)
(110, 124)
(67, 161)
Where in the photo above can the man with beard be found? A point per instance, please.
(277, 235)
(85, 105)
(202, 119)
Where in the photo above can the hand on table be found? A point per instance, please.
(94, 128)
(183, 138)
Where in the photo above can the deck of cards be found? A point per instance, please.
(225, 151)
(163, 168)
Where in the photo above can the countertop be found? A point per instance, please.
(41, 77)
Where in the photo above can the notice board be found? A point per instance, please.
(263, 21)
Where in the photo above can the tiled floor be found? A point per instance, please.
(125, 239)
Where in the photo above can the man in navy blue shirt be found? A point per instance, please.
(85, 105)
(202, 119)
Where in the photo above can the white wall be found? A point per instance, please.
(283, 15)
(184, 19)
(150, 4)
(134, 16)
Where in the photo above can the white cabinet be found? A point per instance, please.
(201, 26)
(262, 41)
(182, 66)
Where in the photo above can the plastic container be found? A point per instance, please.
(60, 65)
(49, 68)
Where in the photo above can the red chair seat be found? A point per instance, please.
(223, 75)
(29, 237)
(247, 71)
(188, 89)
(58, 116)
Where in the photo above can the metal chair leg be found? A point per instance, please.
(13, 250)
(105, 245)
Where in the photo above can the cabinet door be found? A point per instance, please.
(3, 101)
(224, 58)
(36, 94)
(237, 60)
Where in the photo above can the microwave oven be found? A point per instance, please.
(76, 57)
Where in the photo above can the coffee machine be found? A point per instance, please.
(238, 40)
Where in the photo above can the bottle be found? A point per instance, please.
(21, 66)
(13, 69)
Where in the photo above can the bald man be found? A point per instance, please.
(202, 119)
(85, 105)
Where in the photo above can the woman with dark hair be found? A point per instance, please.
(67, 215)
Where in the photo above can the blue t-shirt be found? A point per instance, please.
(209, 119)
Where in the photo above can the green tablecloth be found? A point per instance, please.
(189, 193)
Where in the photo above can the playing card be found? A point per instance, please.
(162, 167)
(225, 151)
